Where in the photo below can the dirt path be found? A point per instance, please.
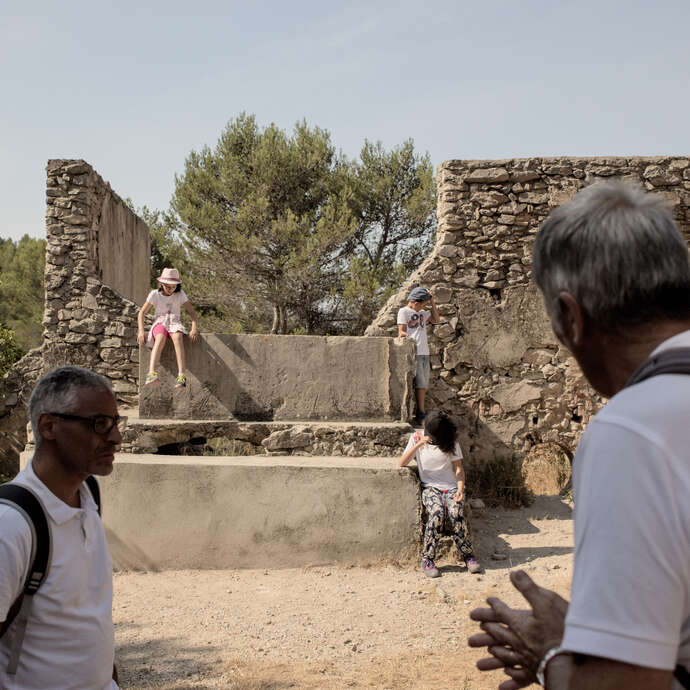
(384, 626)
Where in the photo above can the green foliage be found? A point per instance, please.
(265, 216)
(22, 267)
(10, 352)
(498, 482)
(394, 200)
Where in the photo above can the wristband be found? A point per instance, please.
(550, 654)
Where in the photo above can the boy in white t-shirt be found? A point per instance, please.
(412, 321)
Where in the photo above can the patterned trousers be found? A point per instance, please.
(437, 503)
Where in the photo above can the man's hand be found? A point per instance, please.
(517, 640)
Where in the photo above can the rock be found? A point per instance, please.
(476, 504)
(498, 556)
(488, 175)
(513, 396)
(489, 199)
(287, 438)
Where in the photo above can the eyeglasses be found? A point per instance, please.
(100, 423)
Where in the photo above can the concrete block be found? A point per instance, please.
(172, 512)
(284, 377)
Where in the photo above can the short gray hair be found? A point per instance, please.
(58, 391)
(617, 250)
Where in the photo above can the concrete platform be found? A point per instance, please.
(177, 512)
(284, 377)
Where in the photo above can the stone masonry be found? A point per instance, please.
(496, 364)
(97, 271)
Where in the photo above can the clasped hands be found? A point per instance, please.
(518, 639)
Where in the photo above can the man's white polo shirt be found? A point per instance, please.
(631, 479)
(69, 640)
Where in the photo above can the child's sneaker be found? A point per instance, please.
(472, 565)
(429, 569)
(180, 381)
(151, 377)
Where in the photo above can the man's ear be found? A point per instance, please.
(46, 426)
(571, 321)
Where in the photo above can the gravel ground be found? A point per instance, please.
(381, 626)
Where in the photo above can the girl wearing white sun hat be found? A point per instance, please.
(167, 301)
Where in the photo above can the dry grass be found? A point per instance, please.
(499, 482)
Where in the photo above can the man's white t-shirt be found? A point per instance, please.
(69, 640)
(630, 598)
(416, 322)
(434, 466)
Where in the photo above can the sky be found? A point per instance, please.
(134, 87)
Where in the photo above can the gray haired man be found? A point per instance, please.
(615, 276)
(69, 640)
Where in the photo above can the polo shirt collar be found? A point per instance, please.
(678, 340)
(57, 509)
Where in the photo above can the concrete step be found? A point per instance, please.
(178, 512)
(194, 437)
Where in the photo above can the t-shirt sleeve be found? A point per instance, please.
(631, 566)
(457, 453)
(183, 296)
(15, 552)
(410, 443)
(151, 299)
(402, 316)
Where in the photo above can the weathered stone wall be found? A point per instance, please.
(97, 272)
(496, 364)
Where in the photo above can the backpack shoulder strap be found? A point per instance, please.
(682, 675)
(28, 504)
(92, 483)
(673, 361)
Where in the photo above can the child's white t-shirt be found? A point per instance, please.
(416, 322)
(434, 466)
(167, 304)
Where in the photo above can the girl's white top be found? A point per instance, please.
(167, 311)
(434, 466)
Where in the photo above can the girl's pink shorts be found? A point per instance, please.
(160, 328)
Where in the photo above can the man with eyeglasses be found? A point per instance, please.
(69, 638)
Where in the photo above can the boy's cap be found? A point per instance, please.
(419, 294)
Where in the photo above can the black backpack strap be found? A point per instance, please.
(673, 361)
(28, 504)
(92, 483)
(682, 675)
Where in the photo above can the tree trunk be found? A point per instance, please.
(276, 319)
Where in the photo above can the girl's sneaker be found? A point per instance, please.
(180, 381)
(429, 569)
(472, 565)
(151, 377)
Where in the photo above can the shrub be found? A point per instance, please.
(10, 352)
(498, 482)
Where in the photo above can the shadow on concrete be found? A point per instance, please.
(127, 557)
(161, 662)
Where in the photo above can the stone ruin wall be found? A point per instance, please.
(496, 366)
(96, 273)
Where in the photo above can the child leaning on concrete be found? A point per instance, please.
(412, 321)
(439, 463)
